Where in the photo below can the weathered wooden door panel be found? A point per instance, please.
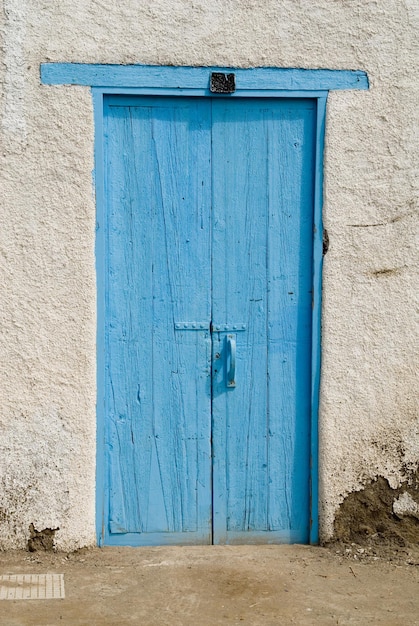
(158, 391)
(263, 163)
(210, 214)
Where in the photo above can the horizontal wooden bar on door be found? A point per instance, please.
(210, 327)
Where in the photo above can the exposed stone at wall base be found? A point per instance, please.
(381, 514)
(41, 539)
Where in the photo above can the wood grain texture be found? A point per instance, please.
(152, 76)
(210, 218)
(263, 160)
(158, 377)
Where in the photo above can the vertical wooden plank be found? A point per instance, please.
(291, 163)
(181, 269)
(126, 252)
(158, 392)
(239, 297)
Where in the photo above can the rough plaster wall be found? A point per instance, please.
(368, 425)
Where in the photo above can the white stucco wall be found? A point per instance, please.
(368, 419)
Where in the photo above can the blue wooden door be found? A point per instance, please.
(208, 319)
(263, 162)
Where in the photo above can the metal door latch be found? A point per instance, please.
(231, 357)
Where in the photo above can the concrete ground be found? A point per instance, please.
(194, 586)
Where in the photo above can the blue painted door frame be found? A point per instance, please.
(106, 80)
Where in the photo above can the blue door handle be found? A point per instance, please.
(231, 355)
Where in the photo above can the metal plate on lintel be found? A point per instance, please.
(222, 83)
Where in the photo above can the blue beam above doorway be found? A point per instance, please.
(151, 76)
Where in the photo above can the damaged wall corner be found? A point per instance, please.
(41, 540)
(378, 512)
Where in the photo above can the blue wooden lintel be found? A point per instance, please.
(168, 77)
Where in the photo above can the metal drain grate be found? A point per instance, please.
(31, 586)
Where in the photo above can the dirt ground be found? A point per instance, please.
(194, 586)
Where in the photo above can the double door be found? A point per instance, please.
(208, 319)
